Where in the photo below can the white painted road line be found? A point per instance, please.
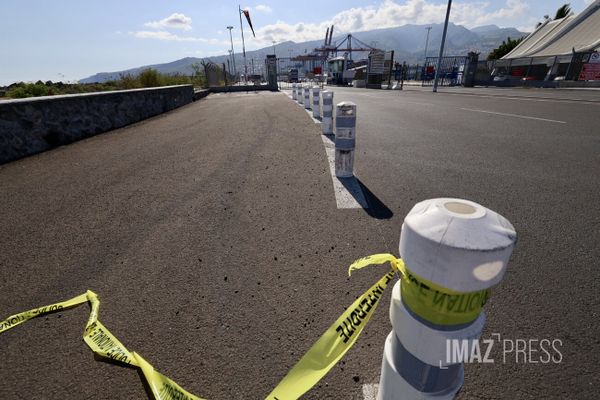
(526, 98)
(370, 391)
(366, 94)
(515, 115)
(348, 194)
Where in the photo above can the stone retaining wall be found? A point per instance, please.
(33, 125)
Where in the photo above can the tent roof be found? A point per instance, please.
(559, 37)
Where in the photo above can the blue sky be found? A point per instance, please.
(72, 39)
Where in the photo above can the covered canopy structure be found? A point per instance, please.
(560, 49)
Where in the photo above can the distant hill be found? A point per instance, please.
(485, 28)
(408, 42)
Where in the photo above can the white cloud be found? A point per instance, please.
(168, 36)
(262, 8)
(173, 21)
(391, 14)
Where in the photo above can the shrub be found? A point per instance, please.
(150, 78)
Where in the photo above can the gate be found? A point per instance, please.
(451, 73)
(299, 68)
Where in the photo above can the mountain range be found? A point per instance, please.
(407, 41)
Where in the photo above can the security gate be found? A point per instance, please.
(451, 73)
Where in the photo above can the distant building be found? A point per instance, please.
(563, 49)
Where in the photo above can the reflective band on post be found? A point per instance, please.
(392, 383)
(423, 377)
(344, 143)
(345, 122)
(327, 113)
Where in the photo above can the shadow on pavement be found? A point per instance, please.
(376, 208)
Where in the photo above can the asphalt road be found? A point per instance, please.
(212, 237)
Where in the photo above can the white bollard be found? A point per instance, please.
(300, 98)
(345, 135)
(294, 93)
(327, 122)
(307, 98)
(316, 109)
(454, 250)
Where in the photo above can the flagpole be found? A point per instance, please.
(243, 45)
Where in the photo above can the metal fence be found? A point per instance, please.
(451, 73)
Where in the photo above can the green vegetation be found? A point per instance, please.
(147, 78)
(563, 11)
(505, 48)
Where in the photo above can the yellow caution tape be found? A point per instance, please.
(105, 344)
(428, 300)
(18, 319)
(332, 345)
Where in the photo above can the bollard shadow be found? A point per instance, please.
(330, 136)
(374, 206)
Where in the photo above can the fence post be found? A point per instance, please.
(307, 97)
(327, 122)
(345, 134)
(454, 250)
(294, 93)
(316, 102)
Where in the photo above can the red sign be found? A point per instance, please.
(518, 71)
(590, 72)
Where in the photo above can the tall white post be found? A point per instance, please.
(345, 135)
(327, 122)
(316, 103)
(307, 97)
(454, 251)
(300, 98)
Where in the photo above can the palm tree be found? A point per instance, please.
(563, 11)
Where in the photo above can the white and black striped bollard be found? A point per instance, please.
(300, 97)
(453, 250)
(316, 109)
(345, 135)
(307, 98)
(327, 121)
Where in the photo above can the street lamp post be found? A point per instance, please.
(243, 46)
(439, 62)
(232, 53)
(229, 63)
(427, 41)
(276, 64)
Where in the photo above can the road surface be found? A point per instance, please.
(212, 236)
